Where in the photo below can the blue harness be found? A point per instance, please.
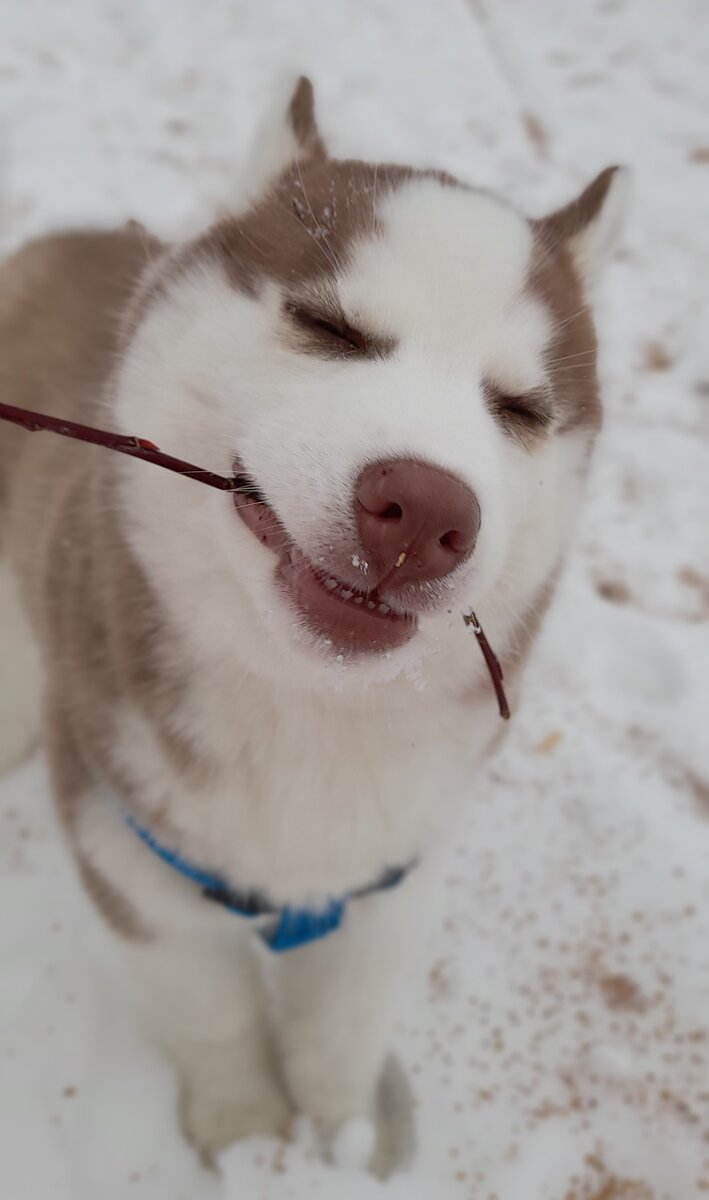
(289, 927)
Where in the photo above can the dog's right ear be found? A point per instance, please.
(289, 133)
(590, 225)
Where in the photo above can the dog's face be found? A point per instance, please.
(403, 369)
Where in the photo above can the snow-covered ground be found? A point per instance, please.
(559, 1047)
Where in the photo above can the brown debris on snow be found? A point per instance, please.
(622, 1189)
(657, 357)
(550, 742)
(622, 994)
(537, 133)
(613, 590)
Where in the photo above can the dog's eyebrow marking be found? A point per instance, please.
(570, 355)
(305, 227)
(300, 216)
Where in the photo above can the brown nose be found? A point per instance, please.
(417, 517)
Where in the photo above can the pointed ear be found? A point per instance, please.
(591, 225)
(288, 133)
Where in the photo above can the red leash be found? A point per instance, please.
(134, 446)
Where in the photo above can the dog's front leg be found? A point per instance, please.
(335, 1003)
(205, 1006)
(191, 971)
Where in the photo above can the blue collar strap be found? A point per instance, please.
(288, 927)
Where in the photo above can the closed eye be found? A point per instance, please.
(339, 333)
(525, 414)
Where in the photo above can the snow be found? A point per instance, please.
(354, 1144)
(559, 1046)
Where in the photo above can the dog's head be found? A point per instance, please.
(404, 369)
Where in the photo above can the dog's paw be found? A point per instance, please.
(383, 1142)
(214, 1121)
(354, 1144)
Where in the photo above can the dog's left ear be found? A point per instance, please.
(592, 223)
(289, 133)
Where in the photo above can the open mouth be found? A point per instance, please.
(352, 620)
(348, 619)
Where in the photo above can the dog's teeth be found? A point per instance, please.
(359, 599)
(331, 584)
(384, 608)
(346, 595)
(371, 604)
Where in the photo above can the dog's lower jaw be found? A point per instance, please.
(351, 624)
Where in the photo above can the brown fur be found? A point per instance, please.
(301, 112)
(571, 354)
(115, 907)
(97, 621)
(574, 217)
(303, 230)
(71, 777)
(65, 295)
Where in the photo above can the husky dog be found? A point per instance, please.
(263, 711)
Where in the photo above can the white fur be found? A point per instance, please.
(326, 771)
(202, 1000)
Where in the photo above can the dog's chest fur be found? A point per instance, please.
(298, 797)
